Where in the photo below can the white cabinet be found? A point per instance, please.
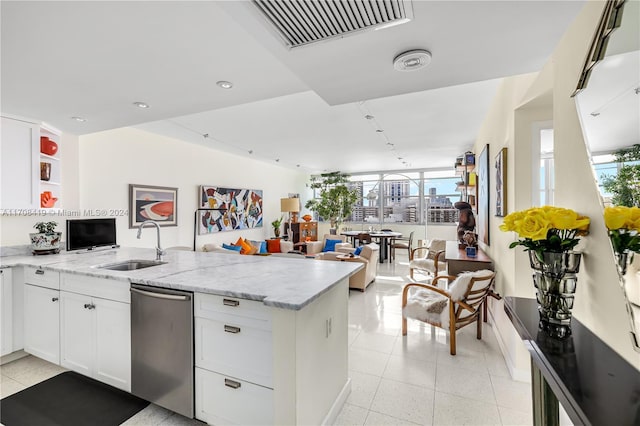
(234, 360)
(20, 163)
(6, 312)
(20, 168)
(95, 332)
(42, 322)
(42, 313)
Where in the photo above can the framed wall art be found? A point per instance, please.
(157, 203)
(482, 170)
(501, 182)
(236, 208)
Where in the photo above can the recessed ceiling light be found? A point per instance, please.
(80, 119)
(224, 84)
(141, 105)
(412, 60)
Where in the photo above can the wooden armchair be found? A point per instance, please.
(428, 259)
(462, 303)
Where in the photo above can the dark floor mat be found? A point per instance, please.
(69, 399)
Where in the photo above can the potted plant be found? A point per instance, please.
(46, 240)
(623, 193)
(336, 198)
(276, 226)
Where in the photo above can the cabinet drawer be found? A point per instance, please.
(42, 277)
(231, 348)
(211, 306)
(227, 400)
(96, 287)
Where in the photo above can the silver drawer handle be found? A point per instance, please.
(54, 299)
(39, 272)
(232, 383)
(160, 295)
(230, 302)
(89, 306)
(231, 329)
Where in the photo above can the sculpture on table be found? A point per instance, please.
(466, 225)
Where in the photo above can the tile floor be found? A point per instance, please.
(396, 380)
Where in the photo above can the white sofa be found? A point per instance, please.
(315, 247)
(285, 247)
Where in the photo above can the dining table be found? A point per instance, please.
(384, 239)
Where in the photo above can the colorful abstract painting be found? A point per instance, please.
(237, 209)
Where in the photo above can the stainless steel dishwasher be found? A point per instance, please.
(162, 347)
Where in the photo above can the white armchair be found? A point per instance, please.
(315, 247)
(365, 276)
(428, 259)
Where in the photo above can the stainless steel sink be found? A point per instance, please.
(130, 265)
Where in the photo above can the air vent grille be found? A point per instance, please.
(301, 22)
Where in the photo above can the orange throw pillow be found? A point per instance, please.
(248, 248)
(273, 246)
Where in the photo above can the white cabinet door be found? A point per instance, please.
(6, 312)
(113, 343)
(19, 168)
(77, 332)
(42, 322)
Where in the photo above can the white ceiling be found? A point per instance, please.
(303, 106)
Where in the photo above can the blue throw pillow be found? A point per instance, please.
(231, 247)
(358, 250)
(330, 245)
(262, 246)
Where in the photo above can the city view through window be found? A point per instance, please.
(406, 198)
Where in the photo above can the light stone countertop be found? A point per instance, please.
(281, 282)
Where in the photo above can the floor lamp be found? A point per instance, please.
(291, 206)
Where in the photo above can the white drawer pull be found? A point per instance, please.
(230, 302)
(231, 329)
(232, 383)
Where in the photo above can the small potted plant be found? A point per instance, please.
(46, 240)
(276, 226)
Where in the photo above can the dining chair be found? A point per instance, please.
(363, 238)
(462, 303)
(402, 243)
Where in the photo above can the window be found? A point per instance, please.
(543, 169)
(411, 197)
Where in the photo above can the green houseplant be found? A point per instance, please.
(624, 193)
(336, 199)
(46, 240)
(276, 226)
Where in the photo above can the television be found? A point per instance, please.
(87, 234)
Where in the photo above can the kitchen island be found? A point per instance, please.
(295, 373)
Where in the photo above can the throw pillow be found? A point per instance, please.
(239, 242)
(247, 248)
(261, 245)
(273, 246)
(231, 247)
(358, 251)
(330, 245)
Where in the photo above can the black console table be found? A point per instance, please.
(595, 385)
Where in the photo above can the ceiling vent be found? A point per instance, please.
(301, 22)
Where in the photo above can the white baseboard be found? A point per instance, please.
(519, 374)
(332, 415)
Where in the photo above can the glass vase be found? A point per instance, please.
(554, 276)
(622, 261)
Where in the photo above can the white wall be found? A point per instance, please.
(111, 160)
(522, 101)
(14, 230)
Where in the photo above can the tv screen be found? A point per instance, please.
(90, 233)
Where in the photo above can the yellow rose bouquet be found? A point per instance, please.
(623, 224)
(547, 228)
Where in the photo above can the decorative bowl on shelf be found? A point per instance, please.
(307, 217)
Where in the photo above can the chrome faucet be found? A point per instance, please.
(159, 251)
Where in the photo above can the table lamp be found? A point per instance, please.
(291, 206)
